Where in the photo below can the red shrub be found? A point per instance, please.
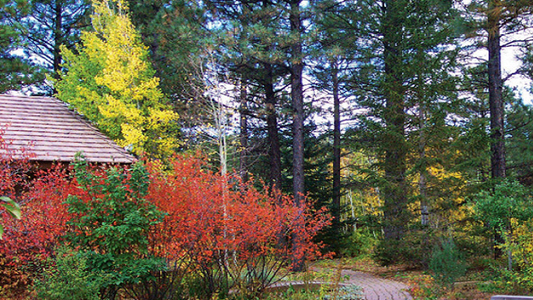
(44, 218)
(210, 214)
(212, 222)
(13, 172)
(31, 239)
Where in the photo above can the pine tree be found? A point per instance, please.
(174, 31)
(15, 70)
(50, 25)
(401, 79)
(254, 49)
(333, 55)
(494, 20)
(498, 20)
(519, 149)
(268, 39)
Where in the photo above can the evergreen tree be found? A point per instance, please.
(518, 143)
(255, 52)
(51, 24)
(519, 128)
(401, 79)
(498, 20)
(495, 20)
(333, 55)
(263, 38)
(15, 71)
(175, 34)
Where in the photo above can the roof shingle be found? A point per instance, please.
(53, 132)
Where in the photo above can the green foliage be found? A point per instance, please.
(510, 282)
(519, 151)
(518, 277)
(447, 263)
(317, 178)
(15, 71)
(404, 84)
(509, 200)
(360, 242)
(12, 209)
(518, 281)
(174, 34)
(413, 249)
(514, 282)
(68, 278)
(111, 82)
(390, 253)
(111, 221)
(48, 26)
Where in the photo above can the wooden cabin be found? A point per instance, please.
(52, 132)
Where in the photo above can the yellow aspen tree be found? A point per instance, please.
(110, 81)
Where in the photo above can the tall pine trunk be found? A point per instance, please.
(274, 151)
(58, 38)
(394, 142)
(422, 182)
(336, 145)
(243, 153)
(296, 68)
(495, 94)
(497, 144)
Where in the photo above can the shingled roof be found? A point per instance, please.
(54, 132)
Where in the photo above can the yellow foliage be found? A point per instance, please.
(444, 189)
(520, 242)
(112, 83)
(132, 135)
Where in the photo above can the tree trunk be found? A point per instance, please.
(296, 67)
(274, 151)
(424, 207)
(394, 142)
(297, 104)
(336, 144)
(422, 183)
(58, 37)
(497, 145)
(243, 153)
(495, 95)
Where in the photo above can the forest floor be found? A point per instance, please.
(399, 282)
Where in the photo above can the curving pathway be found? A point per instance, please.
(376, 288)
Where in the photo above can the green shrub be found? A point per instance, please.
(360, 242)
(413, 249)
(389, 253)
(110, 220)
(447, 263)
(67, 278)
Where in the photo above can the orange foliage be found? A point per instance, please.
(210, 215)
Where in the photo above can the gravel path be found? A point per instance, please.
(376, 288)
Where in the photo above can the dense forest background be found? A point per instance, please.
(396, 114)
